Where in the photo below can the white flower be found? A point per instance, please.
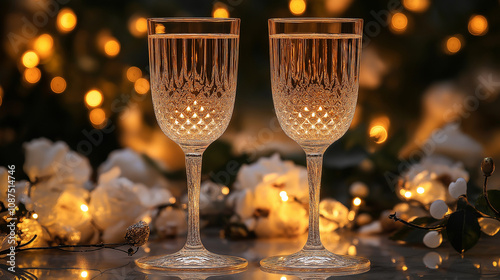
(134, 168)
(45, 159)
(268, 197)
(64, 215)
(273, 170)
(333, 215)
(29, 228)
(458, 188)
(171, 222)
(115, 204)
(425, 181)
(359, 189)
(4, 185)
(372, 69)
(212, 197)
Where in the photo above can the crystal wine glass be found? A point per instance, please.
(194, 66)
(314, 77)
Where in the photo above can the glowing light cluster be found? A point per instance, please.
(66, 20)
(417, 6)
(297, 7)
(30, 59)
(43, 45)
(97, 117)
(478, 25)
(220, 12)
(284, 196)
(133, 73)
(453, 44)
(84, 208)
(356, 201)
(379, 129)
(93, 98)
(112, 47)
(138, 26)
(399, 23)
(58, 84)
(141, 86)
(32, 75)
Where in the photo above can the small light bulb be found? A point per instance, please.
(84, 208)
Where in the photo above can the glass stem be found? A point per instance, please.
(314, 166)
(193, 171)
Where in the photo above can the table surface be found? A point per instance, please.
(389, 260)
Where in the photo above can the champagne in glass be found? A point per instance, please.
(314, 77)
(193, 65)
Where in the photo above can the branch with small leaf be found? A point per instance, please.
(136, 236)
(462, 227)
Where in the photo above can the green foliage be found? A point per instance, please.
(463, 228)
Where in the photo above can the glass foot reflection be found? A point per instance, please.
(317, 260)
(192, 260)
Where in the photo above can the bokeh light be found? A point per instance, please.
(84, 274)
(452, 44)
(417, 6)
(379, 129)
(97, 117)
(66, 20)
(220, 12)
(138, 26)
(225, 190)
(337, 6)
(284, 196)
(141, 86)
(399, 23)
(93, 98)
(58, 84)
(32, 75)
(478, 25)
(43, 45)
(34, 216)
(30, 59)
(112, 47)
(133, 73)
(84, 208)
(297, 7)
(356, 201)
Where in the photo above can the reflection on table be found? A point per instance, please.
(389, 259)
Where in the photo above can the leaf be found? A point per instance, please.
(494, 197)
(463, 229)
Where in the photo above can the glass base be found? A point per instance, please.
(318, 261)
(192, 260)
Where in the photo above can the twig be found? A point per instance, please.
(485, 191)
(395, 218)
(62, 247)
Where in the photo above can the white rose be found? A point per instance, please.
(334, 215)
(264, 199)
(115, 204)
(65, 215)
(47, 159)
(171, 222)
(424, 180)
(4, 185)
(134, 168)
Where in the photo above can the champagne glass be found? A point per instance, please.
(314, 77)
(194, 65)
